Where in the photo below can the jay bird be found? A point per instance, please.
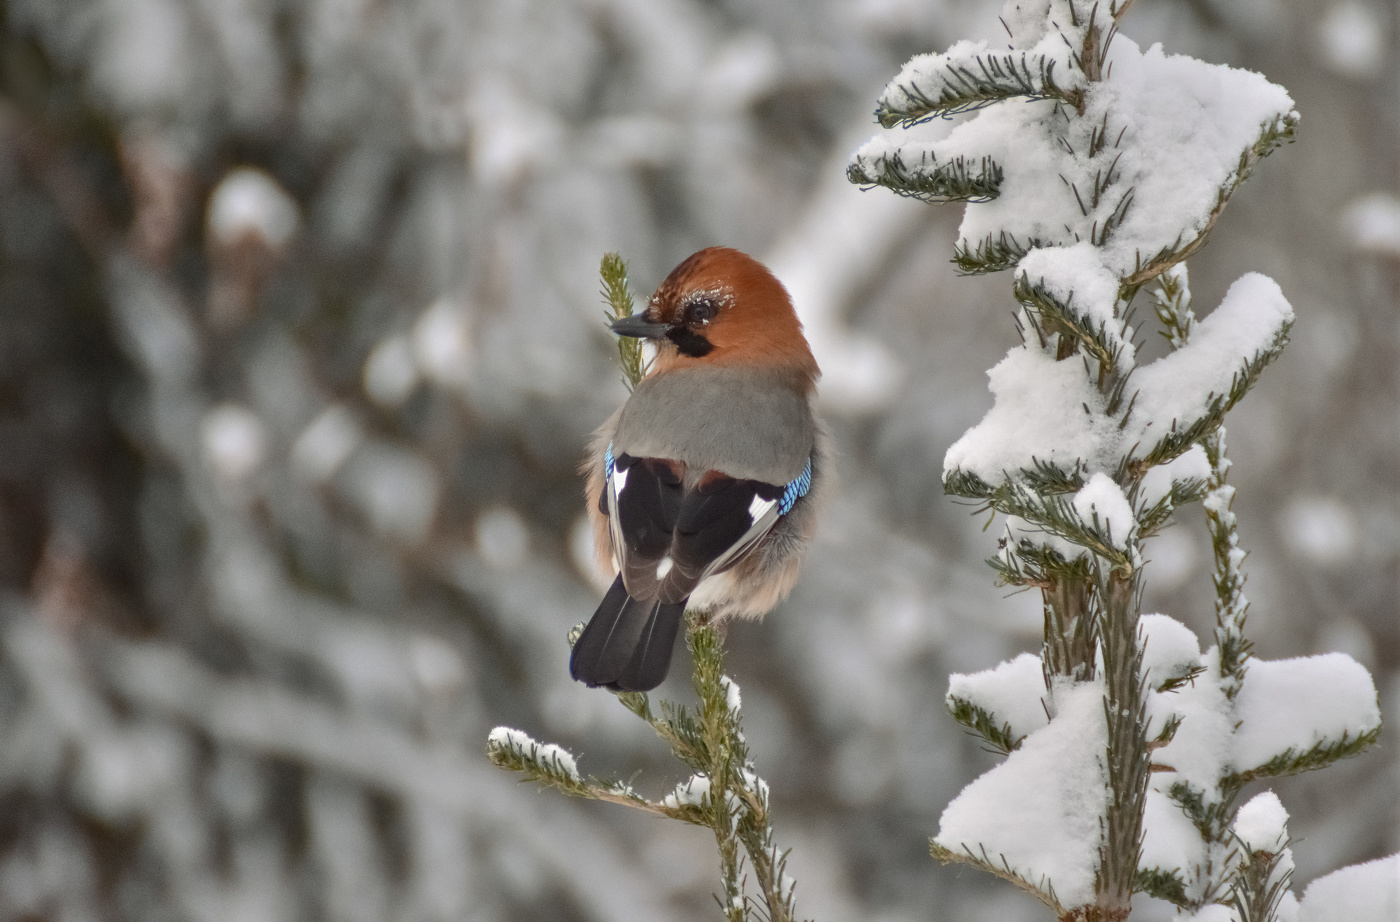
(703, 486)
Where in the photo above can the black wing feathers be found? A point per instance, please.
(713, 518)
(648, 505)
(628, 643)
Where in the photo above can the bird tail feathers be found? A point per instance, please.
(627, 644)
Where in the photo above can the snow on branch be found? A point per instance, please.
(970, 75)
(1126, 746)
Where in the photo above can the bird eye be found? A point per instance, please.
(701, 311)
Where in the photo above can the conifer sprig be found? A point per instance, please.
(617, 294)
(724, 793)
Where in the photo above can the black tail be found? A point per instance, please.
(627, 645)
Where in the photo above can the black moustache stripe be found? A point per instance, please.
(689, 342)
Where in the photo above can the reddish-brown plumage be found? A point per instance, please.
(755, 324)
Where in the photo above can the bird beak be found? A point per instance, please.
(637, 325)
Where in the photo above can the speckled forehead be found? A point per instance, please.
(692, 279)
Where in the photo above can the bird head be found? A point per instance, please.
(721, 307)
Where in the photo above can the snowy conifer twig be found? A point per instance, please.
(1109, 171)
(724, 793)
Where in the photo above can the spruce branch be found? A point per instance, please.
(1164, 885)
(724, 793)
(1319, 755)
(1103, 345)
(1272, 135)
(993, 253)
(964, 86)
(929, 180)
(1183, 436)
(1071, 640)
(617, 294)
(1261, 879)
(984, 723)
(1128, 755)
(1043, 891)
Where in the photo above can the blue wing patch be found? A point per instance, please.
(796, 490)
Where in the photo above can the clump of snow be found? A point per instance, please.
(1100, 502)
(235, 441)
(1039, 413)
(1177, 127)
(1199, 752)
(1012, 693)
(1177, 388)
(1170, 841)
(692, 792)
(1373, 224)
(1295, 704)
(1051, 411)
(248, 201)
(1169, 649)
(1040, 811)
(1191, 465)
(1261, 825)
(934, 76)
(1076, 277)
(546, 754)
(1368, 892)
(731, 694)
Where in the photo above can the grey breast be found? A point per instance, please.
(748, 424)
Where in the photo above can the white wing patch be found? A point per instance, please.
(759, 507)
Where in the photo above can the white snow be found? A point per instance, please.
(1039, 413)
(927, 75)
(1178, 388)
(1180, 126)
(1169, 649)
(1295, 704)
(1076, 277)
(1188, 466)
(1170, 841)
(1261, 824)
(442, 344)
(1011, 693)
(248, 201)
(1040, 810)
(1051, 411)
(1199, 752)
(502, 539)
(732, 698)
(1101, 503)
(542, 753)
(390, 371)
(692, 792)
(1367, 892)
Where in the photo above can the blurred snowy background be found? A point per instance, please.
(300, 342)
